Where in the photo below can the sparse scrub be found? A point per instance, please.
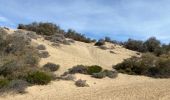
(100, 42)
(78, 69)
(41, 47)
(110, 74)
(99, 75)
(81, 83)
(68, 77)
(43, 54)
(51, 66)
(148, 64)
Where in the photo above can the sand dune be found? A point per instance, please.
(124, 87)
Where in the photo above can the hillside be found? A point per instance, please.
(124, 87)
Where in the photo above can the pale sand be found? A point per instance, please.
(124, 87)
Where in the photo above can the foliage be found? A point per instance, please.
(51, 66)
(94, 69)
(148, 64)
(38, 77)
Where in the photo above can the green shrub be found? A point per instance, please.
(3, 82)
(94, 69)
(51, 66)
(38, 77)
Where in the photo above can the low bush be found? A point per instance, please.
(51, 66)
(100, 42)
(18, 86)
(41, 47)
(81, 83)
(94, 69)
(148, 64)
(99, 75)
(38, 77)
(68, 77)
(110, 74)
(3, 82)
(43, 54)
(78, 69)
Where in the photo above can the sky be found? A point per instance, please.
(118, 19)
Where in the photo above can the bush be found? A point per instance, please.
(3, 82)
(18, 86)
(100, 42)
(78, 69)
(38, 77)
(94, 69)
(68, 77)
(135, 45)
(110, 74)
(103, 47)
(148, 64)
(81, 83)
(43, 54)
(41, 47)
(152, 43)
(42, 28)
(77, 36)
(51, 66)
(99, 75)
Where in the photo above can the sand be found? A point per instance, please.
(124, 87)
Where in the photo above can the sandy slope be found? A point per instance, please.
(124, 87)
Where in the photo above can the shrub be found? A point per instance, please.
(68, 77)
(43, 54)
(94, 69)
(78, 69)
(103, 47)
(135, 45)
(51, 66)
(152, 43)
(81, 83)
(100, 42)
(99, 75)
(38, 77)
(77, 36)
(110, 74)
(148, 65)
(41, 47)
(3, 82)
(18, 86)
(42, 28)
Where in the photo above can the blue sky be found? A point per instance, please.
(119, 19)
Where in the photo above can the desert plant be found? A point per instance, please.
(41, 47)
(43, 54)
(94, 69)
(99, 75)
(68, 77)
(81, 83)
(3, 82)
(78, 69)
(51, 66)
(110, 74)
(100, 42)
(38, 77)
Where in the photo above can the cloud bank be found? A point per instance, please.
(119, 19)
